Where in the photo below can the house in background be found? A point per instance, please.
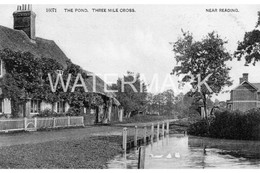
(23, 38)
(245, 96)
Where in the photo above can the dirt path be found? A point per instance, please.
(59, 134)
(65, 134)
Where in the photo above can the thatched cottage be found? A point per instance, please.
(23, 38)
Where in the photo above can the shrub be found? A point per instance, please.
(199, 128)
(74, 112)
(230, 125)
(46, 113)
(4, 115)
(50, 113)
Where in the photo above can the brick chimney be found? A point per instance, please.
(245, 77)
(24, 19)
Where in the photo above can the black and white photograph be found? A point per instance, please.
(129, 86)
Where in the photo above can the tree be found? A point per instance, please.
(205, 58)
(159, 102)
(132, 101)
(249, 48)
(169, 101)
(186, 107)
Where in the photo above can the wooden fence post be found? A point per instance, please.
(152, 132)
(158, 130)
(163, 129)
(141, 157)
(25, 123)
(68, 120)
(125, 139)
(35, 123)
(121, 115)
(135, 137)
(145, 133)
(54, 122)
(168, 128)
(82, 121)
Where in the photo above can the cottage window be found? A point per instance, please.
(60, 107)
(35, 106)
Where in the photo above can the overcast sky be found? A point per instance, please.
(138, 42)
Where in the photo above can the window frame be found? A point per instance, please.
(35, 108)
(61, 107)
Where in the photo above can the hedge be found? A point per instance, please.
(229, 125)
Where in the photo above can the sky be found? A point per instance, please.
(114, 43)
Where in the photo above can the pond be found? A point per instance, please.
(179, 151)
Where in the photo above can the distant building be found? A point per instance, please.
(245, 96)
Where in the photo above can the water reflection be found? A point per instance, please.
(179, 151)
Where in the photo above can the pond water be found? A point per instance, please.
(179, 151)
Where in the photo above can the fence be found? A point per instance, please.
(133, 137)
(32, 124)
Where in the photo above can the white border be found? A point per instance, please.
(187, 2)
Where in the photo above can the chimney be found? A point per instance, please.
(24, 19)
(245, 77)
(241, 80)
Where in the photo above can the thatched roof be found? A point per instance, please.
(17, 40)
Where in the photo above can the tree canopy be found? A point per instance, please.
(249, 48)
(206, 58)
(131, 100)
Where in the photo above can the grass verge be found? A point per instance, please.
(90, 153)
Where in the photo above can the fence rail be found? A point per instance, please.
(32, 124)
(135, 136)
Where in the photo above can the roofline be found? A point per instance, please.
(248, 83)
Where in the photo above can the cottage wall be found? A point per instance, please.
(244, 97)
(244, 92)
(244, 106)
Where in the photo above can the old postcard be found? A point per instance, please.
(129, 86)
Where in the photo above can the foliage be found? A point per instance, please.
(249, 48)
(161, 103)
(204, 58)
(27, 77)
(199, 128)
(21, 77)
(50, 113)
(132, 101)
(73, 111)
(231, 125)
(179, 106)
(46, 113)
